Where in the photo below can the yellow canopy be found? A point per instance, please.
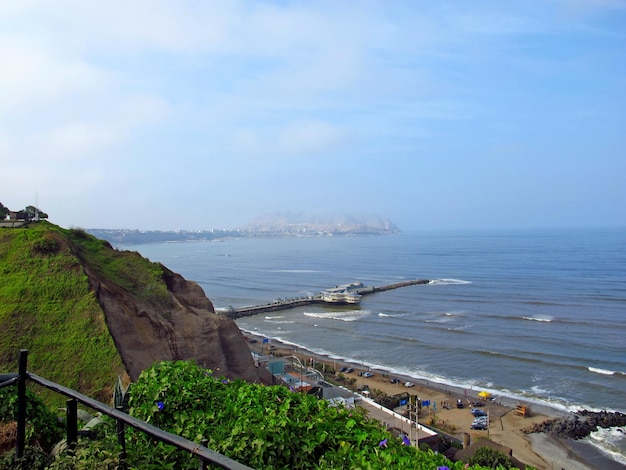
(484, 395)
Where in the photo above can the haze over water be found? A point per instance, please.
(538, 315)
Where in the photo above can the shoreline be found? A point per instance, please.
(539, 450)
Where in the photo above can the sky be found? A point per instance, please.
(194, 115)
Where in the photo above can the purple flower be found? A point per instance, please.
(383, 443)
(224, 381)
(405, 440)
(160, 405)
(443, 467)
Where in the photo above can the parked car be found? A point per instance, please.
(393, 380)
(409, 384)
(368, 374)
(480, 423)
(479, 426)
(477, 412)
(349, 369)
(459, 403)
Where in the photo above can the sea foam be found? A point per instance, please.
(348, 315)
(601, 371)
(541, 318)
(610, 441)
(446, 282)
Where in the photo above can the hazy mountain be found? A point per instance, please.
(306, 223)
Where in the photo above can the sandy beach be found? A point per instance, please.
(506, 426)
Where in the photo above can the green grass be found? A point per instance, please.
(48, 306)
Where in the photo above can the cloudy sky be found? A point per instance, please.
(199, 114)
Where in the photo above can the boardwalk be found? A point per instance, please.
(310, 300)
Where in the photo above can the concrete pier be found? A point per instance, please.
(277, 305)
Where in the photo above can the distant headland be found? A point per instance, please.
(278, 224)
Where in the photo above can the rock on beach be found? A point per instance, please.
(580, 424)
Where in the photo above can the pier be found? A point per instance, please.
(238, 312)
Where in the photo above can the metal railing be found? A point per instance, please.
(204, 454)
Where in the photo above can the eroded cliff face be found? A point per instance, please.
(181, 327)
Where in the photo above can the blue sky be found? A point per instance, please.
(205, 114)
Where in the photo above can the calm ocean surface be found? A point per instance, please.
(538, 315)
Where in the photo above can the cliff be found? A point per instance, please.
(88, 312)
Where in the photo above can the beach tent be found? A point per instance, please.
(484, 395)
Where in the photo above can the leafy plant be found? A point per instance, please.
(43, 429)
(100, 451)
(34, 458)
(120, 395)
(490, 458)
(261, 426)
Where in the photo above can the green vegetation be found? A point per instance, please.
(490, 458)
(266, 427)
(48, 306)
(260, 426)
(43, 430)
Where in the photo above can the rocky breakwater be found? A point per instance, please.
(580, 424)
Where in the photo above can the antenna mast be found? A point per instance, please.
(36, 205)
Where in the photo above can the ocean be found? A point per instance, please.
(534, 315)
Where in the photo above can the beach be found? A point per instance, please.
(506, 426)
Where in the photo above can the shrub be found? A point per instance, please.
(46, 246)
(42, 427)
(261, 426)
(490, 458)
(34, 458)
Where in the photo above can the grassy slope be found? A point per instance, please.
(47, 307)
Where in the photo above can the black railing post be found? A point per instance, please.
(71, 429)
(121, 438)
(21, 405)
(203, 464)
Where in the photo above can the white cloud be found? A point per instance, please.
(92, 91)
(35, 76)
(309, 137)
(295, 139)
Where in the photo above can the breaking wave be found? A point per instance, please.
(597, 370)
(541, 318)
(447, 282)
(610, 441)
(348, 315)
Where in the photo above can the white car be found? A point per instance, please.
(409, 384)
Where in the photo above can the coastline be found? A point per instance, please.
(539, 450)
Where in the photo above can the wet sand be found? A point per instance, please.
(506, 427)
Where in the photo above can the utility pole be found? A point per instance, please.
(417, 429)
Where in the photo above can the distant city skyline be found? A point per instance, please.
(194, 115)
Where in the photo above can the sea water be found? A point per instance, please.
(533, 315)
